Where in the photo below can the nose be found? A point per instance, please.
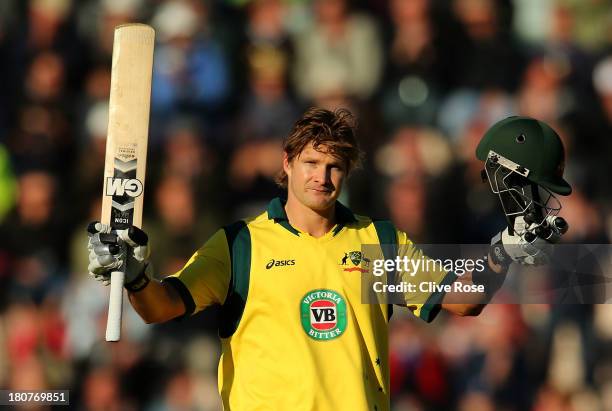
(322, 175)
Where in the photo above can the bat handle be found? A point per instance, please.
(115, 303)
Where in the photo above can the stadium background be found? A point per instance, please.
(425, 78)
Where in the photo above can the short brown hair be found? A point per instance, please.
(333, 129)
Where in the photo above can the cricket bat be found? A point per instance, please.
(126, 145)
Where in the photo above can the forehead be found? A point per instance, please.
(322, 152)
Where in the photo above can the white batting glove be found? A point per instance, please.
(531, 243)
(109, 249)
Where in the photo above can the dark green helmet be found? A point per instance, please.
(533, 148)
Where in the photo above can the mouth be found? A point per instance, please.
(321, 190)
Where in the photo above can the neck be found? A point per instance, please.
(314, 222)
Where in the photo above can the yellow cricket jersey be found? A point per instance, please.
(295, 334)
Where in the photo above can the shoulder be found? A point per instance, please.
(385, 229)
(363, 222)
(242, 227)
(258, 219)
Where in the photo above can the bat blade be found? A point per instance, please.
(126, 145)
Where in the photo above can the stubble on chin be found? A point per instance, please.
(320, 202)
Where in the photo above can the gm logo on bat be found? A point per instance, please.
(123, 186)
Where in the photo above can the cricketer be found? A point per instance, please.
(294, 332)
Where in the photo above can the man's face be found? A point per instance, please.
(315, 177)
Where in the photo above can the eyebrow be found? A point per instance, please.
(334, 162)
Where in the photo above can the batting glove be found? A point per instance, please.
(531, 244)
(118, 250)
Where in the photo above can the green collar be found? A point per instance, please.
(276, 212)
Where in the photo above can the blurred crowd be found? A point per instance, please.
(425, 79)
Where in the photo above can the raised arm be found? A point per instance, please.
(157, 302)
(472, 303)
(203, 281)
(506, 249)
(154, 301)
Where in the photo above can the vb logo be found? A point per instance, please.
(123, 186)
(323, 314)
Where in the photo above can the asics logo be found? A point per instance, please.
(279, 263)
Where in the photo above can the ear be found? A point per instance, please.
(286, 165)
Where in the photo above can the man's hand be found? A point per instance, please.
(109, 249)
(530, 244)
